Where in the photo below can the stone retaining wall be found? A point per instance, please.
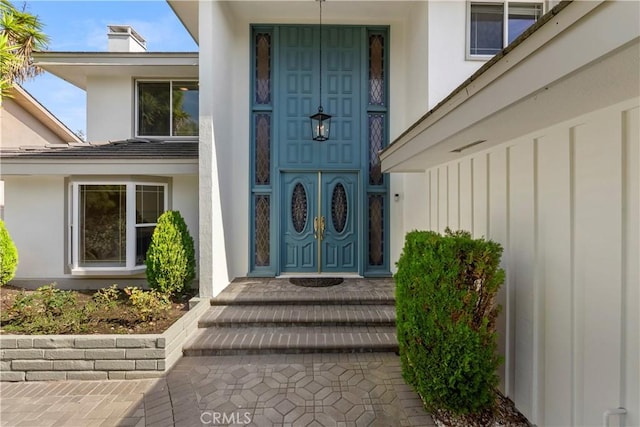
(96, 357)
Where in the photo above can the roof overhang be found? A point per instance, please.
(567, 67)
(75, 67)
(381, 12)
(160, 167)
(187, 13)
(31, 105)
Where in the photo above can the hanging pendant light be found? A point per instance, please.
(320, 121)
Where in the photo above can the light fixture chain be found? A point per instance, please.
(320, 54)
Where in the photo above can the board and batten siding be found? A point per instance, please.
(564, 203)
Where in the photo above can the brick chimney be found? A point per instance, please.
(123, 38)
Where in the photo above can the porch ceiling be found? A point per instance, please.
(381, 12)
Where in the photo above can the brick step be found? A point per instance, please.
(292, 340)
(287, 315)
(299, 298)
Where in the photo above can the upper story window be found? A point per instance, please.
(167, 108)
(492, 26)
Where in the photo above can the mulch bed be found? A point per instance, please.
(120, 320)
(505, 414)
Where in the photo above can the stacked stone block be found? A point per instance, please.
(95, 357)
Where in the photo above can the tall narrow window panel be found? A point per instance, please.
(262, 149)
(376, 229)
(376, 69)
(376, 144)
(149, 207)
(263, 68)
(262, 252)
(102, 220)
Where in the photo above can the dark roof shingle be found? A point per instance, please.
(126, 149)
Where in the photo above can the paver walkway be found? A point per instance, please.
(272, 390)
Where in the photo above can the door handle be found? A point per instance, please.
(316, 222)
(318, 227)
(322, 226)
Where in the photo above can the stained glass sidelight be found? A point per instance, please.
(376, 229)
(376, 138)
(376, 69)
(339, 208)
(262, 229)
(299, 208)
(263, 149)
(263, 68)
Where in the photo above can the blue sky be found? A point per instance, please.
(81, 26)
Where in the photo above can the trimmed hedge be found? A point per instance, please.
(445, 290)
(171, 263)
(8, 256)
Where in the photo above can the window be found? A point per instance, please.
(115, 222)
(493, 26)
(167, 108)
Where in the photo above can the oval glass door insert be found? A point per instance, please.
(339, 208)
(299, 208)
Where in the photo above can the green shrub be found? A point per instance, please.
(445, 290)
(8, 256)
(148, 305)
(171, 264)
(48, 310)
(106, 298)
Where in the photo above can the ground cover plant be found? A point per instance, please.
(49, 310)
(446, 313)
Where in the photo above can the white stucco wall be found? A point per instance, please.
(34, 214)
(184, 197)
(110, 108)
(447, 31)
(217, 141)
(564, 203)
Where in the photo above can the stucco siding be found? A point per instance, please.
(448, 66)
(564, 203)
(110, 108)
(185, 199)
(34, 215)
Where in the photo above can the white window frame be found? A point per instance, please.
(136, 123)
(130, 267)
(505, 24)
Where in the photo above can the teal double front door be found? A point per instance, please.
(318, 207)
(320, 222)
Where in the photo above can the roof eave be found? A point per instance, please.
(564, 15)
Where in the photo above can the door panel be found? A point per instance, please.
(300, 201)
(339, 207)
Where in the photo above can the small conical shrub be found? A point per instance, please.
(8, 256)
(171, 264)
